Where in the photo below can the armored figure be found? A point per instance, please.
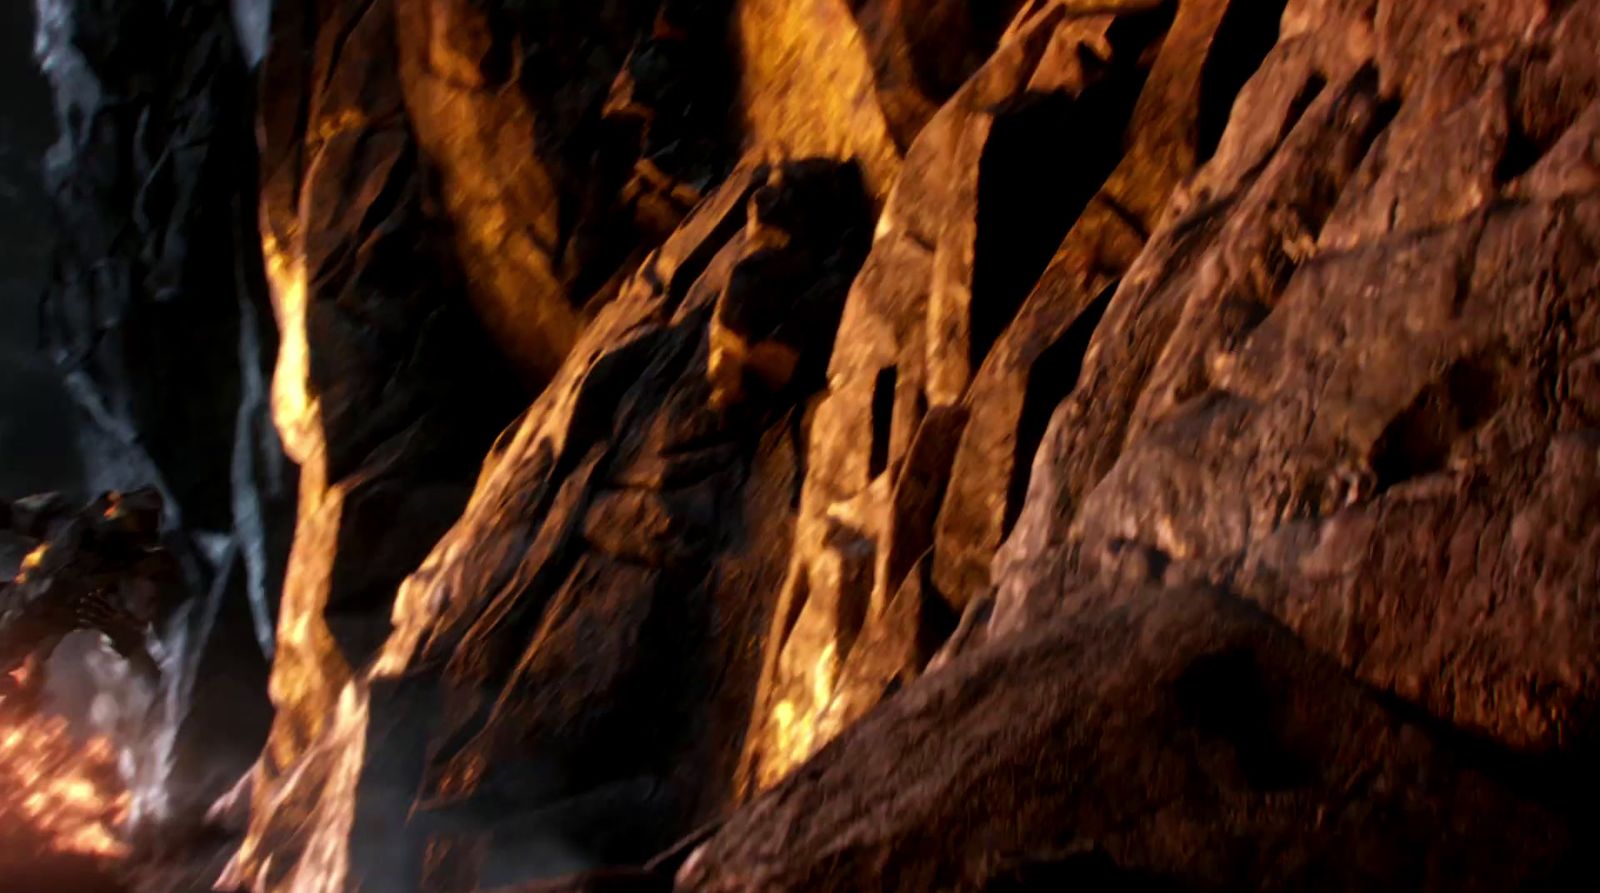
(101, 568)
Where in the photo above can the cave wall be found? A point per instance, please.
(940, 446)
(40, 445)
(155, 319)
(1145, 462)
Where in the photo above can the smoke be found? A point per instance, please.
(251, 19)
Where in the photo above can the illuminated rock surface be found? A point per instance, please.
(963, 446)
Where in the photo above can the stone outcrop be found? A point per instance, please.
(1345, 381)
(963, 446)
(1174, 740)
(624, 511)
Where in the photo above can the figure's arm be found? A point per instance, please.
(126, 632)
(32, 516)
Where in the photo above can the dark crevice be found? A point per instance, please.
(1365, 86)
(392, 195)
(1135, 37)
(1520, 154)
(920, 486)
(937, 618)
(800, 595)
(882, 421)
(1047, 156)
(1224, 696)
(1329, 180)
(1309, 91)
(857, 554)
(1419, 441)
(1528, 136)
(1362, 109)
(1052, 378)
(1131, 220)
(1247, 33)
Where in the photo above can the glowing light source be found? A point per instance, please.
(66, 793)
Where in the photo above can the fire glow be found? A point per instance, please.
(65, 794)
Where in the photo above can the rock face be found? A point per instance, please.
(1175, 740)
(1342, 381)
(967, 446)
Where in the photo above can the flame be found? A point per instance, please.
(65, 793)
(32, 560)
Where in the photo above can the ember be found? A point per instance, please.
(58, 794)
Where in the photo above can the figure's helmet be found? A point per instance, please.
(135, 514)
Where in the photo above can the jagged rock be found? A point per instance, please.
(1152, 123)
(1193, 487)
(806, 87)
(558, 168)
(597, 592)
(386, 391)
(1345, 373)
(1335, 379)
(967, 324)
(923, 52)
(1176, 740)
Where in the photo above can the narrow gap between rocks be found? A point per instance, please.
(1248, 32)
(1047, 156)
(882, 421)
(1053, 377)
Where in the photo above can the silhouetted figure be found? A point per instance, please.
(100, 568)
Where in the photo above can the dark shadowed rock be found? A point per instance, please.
(387, 389)
(157, 318)
(627, 510)
(1177, 739)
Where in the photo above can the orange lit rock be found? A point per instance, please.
(385, 391)
(1186, 480)
(806, 87)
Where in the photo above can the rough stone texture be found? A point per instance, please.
(1175, 740)
(1017, 446)
(1021, 204)
(557, 165)
(387, 389)
(597, 592)
(1346, 380)
(526, 159)
(1352, 380)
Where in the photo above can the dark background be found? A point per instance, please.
(38, 450)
